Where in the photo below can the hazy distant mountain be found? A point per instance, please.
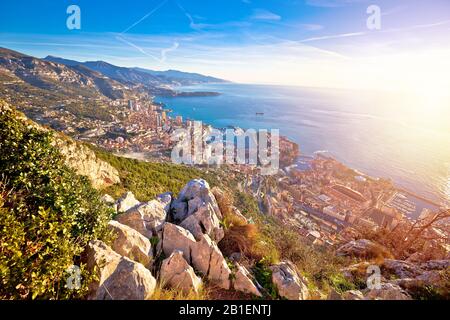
(140, 75)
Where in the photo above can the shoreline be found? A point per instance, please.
(295, 162)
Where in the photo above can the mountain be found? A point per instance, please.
(71, 81)
(184, 78)
(139, 75)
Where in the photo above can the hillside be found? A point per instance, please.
(140, 75)
(161, 231)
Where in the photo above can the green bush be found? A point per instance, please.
(48, 214)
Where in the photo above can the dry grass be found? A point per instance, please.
(162, 293)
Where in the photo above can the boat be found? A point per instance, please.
(259, 113)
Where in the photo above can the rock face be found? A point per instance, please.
(130, 243)
(401, 268)
(242, 281)
(204, 221)
(166, 200)
(147, 218)
(363, 248)
(126, 202)
(388, 291)
(175, 238)
(177, 273)
(194, 195)
(289, 284)
(208, 259)
(119, 277)
(203, 255)
(84, 161)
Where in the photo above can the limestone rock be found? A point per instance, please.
(135, 219)
(353, 295)
(166, 200)
(147, 217)
(289, 283)
(208, 259)
(204, 221)
(435, 265)
(130, 243)
(119, 277)
(85, 162)
(334, 295)
(401, 268)
(363, 248)
(176, 238)
(126, 202)
(194, 195)
(388, 291)
(177, 273)
(243, 281)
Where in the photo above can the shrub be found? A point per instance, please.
(47, 217)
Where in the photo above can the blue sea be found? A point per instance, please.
(380, 134)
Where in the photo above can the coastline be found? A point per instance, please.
(295, 161)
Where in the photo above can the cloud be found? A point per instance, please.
(311, 26)
(332, 3)
(265, 15)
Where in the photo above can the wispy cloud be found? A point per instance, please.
(265, 15)
(332, 3)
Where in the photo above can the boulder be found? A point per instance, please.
(119, 278)
(334, 295)
(435, 265)
(166, 200)
(147, 217)
(130, 243)
(363, 248)
(177, 273)
(289, 283)
(208, 259)
(388, 291)
(175, 238)
(401, 268)
(243, 281)
(204, 221)
(353, 295)
(135, 220)
(203, 255)
(126, 202)
(194, 195)
(108, 199)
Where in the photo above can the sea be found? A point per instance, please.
(397, 136)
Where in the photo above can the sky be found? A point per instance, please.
(317, 43)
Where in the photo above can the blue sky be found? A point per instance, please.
(304, 42)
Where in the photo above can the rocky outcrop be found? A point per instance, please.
(401, 269)
(243, 281)
(289, 283)
(204, 221)
(363, 248)
(119, 278)
(194, 195)
(84, 161)
(208, 259)
(387, 291)
(177, 273)
(203, 255)
(166, 200)
(130, 243)
(126, 202)
(175, 238)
